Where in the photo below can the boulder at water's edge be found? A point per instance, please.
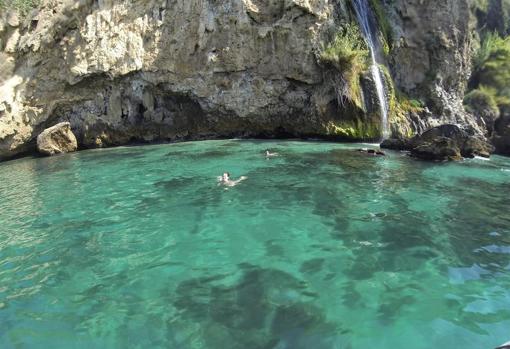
(445, 142)
(57, 140)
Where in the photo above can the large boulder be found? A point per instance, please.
(438, 149)
(396, 144)
(57, 140)
(445, 142)
(449, 142)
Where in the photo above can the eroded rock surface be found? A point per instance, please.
(57, 140)
(431, 58)
(124, 71)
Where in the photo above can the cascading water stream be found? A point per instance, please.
(362, 9)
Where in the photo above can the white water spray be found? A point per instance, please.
(362, 9)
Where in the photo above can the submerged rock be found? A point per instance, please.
(57, 140)
(372, 152)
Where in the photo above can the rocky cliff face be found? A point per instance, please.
(432, 52)
(147, 70)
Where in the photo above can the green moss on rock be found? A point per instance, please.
(384, 25)
(349, 54)
(400, 106)
(354, 130)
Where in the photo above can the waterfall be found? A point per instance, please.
(362, 9)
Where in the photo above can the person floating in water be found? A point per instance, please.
(226, 181)
(372, 152)
(270, 155)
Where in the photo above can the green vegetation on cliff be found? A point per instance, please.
(491, 65)
(348, 50)
(354, 130)
(493, 15)
(385, 28)
(348, 53)
(22, 6)
(400, 105)
(490, 81)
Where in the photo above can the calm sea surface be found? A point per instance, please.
(322, 247)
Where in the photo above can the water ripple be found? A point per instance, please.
(318, 248)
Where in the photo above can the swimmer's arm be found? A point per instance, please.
(242, 178)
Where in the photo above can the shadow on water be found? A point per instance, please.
(175, 184)
(273, 249)
(312, 266)
(485, 241)
(266, 308)
(207, 155)
(102, 156)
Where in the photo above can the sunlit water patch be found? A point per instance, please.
(321, 247)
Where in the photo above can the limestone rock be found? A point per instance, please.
(12, 42)
(57, 140)
(13, 18)
(123, 71)
(431, 54)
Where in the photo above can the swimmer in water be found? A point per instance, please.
(270, 155)
(226, 181)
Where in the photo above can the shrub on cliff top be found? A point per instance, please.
(491, 43)
(491, 64)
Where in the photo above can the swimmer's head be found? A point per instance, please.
(225, 176)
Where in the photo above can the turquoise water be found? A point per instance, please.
(322, 247)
